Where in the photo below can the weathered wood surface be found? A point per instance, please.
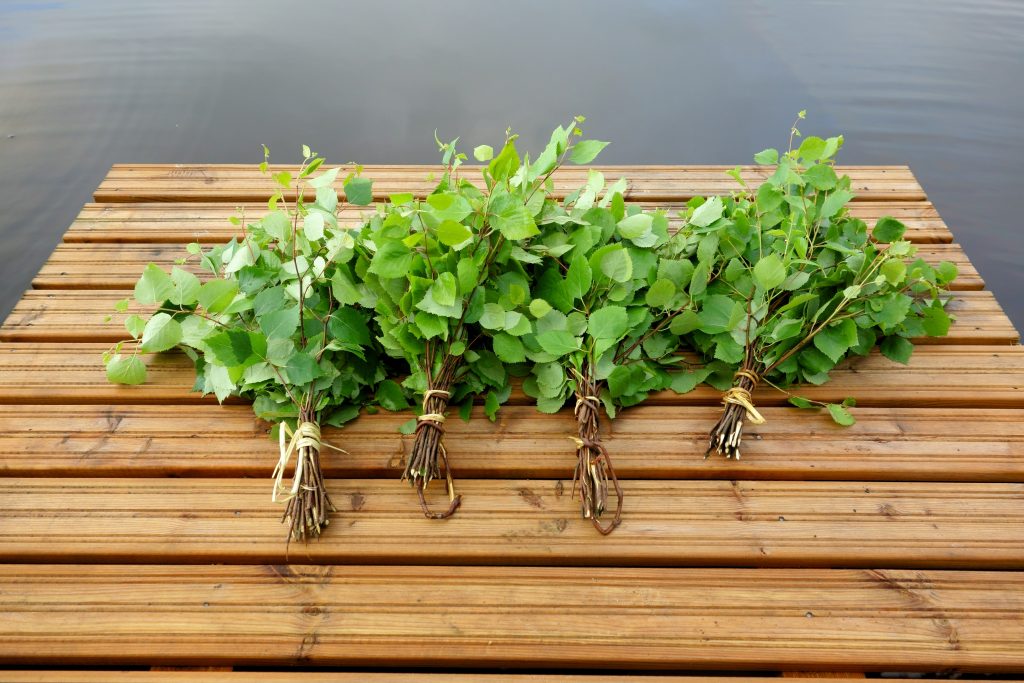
(245, 183)
(78, 315)
(302, 676)
(938, 376)
(157, 479)
(886, 444)
(117, 266)
(665, 523)
(204, 222)
(488, 616)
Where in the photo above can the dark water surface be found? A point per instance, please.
(935, 84)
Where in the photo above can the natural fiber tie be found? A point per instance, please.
(741, 397)
(306, 435)
(592, 401)
(436, 418)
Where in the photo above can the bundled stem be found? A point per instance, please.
(594, 468)
(727, 433)
(308, 500)
(428, 451)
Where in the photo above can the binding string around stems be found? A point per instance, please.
(307, 499)
(727, 434)
(433, 420)
(593, 472)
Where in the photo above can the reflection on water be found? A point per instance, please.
(86, 83)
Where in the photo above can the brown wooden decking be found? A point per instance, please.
(136, 526)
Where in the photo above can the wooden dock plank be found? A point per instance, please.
(516, 617)
(208, 223)
(150, 183)
(504, 522)
(305, 676)
(118, 266)
(648, 442)
(929, 479)
(73, 315)
(937, 376)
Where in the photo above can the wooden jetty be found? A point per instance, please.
(137, 531)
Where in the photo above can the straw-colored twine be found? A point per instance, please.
(437, 418)
(741, 397)
(305, 436)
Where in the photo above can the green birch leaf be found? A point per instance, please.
(391, 396)
(493, 317)
(230, 348)
(348, 325)
(660, 293)
(769, 198)
(280, 324)
(836, 339)
(840, 415)
(617, 265)
(162, 332)
(512, 219)
(707, 213)
(186, 287)
(217, 295)
(540, 308)
(126, 370)
(313, 226)
(483, 153)
(449, 206)
(834, 202)
(277, 224)
(716, 314)
(135, 325)
(301, 369)
(359, 191)
(444, 289)
(684, 323)
(936, 321)
(821, 177)
(767, 157)
(769, 272)
(637, 225)
(812, 148)
(585, 151)
(579, 278)
(894, 271)
(392, 260)
(558, 342)
(609, 322)
(154, 287)
(505, 164)
(509, 349)
(467, 274)
(888, 230)
(897, 349)
(454, 234)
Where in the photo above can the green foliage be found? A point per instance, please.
(264, 325)
(442, 300)
(788, 284)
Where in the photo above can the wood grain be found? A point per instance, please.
(118, 266)
(929, 479)
(70, 315)
(228, 183)
(305, 676)
(503, 522)
(516, 617)
(208, 223)
(937, 376)
(647, 442)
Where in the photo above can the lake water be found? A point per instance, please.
(931, 83)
